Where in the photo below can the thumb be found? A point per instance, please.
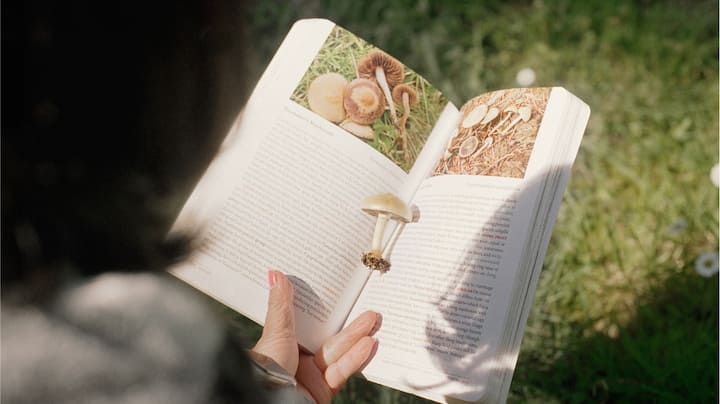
(278, 339)
(280, 317)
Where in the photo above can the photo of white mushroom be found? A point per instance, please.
(372, 96)
(496, 134)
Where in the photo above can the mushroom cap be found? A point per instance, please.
(474, 116)
(400, 89)
(524, 113)
(363, 101)
(468, 146)
(358, 129)
(491, 114)
(394, 72)
(387, 204)
(325, 96)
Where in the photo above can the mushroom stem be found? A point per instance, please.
(523, 114)
(382, 81)
(486, 144)
(380, 225)
(511, 124)
(406, 105)
(497, 127)
(385, 207)
(403, 121)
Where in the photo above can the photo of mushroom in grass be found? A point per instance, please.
(372, 96)
(496, 134)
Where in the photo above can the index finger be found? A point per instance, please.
(364, 325)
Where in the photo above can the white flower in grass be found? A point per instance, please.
(525, 77)
(707, 264)
(678, 227)
(715, 175)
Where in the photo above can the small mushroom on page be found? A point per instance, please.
(357, 129)
(385, 207)
(407, 96)
(363, 101)
(509, 111)
(488, 142)
(474, 116)
(491, 114)
(325, 96)
(523, 114)
(388, 72)
(468, 147)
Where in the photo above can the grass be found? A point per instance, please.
(620, 314)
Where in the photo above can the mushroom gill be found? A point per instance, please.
(388, 72)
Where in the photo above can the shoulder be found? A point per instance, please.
(129, 337)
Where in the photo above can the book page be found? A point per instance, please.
(566, 118)
(445, 299)
(285, 192)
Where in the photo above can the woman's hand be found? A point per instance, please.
(320, 375)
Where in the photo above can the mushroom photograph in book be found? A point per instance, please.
(370, 95)
(496, 134)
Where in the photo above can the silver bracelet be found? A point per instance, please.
(270, 372)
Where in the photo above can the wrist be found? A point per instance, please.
(268, 372)
(280, 386)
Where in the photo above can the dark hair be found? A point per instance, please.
(110, 113)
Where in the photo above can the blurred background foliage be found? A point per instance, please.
(620, 314)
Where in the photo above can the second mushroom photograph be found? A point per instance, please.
(371, 96)
(496, 134)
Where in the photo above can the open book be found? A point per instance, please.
(484, 182)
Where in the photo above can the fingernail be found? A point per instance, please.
(378, 323)
(272, 278)
(371, 353)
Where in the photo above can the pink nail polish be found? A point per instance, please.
(272, 278)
